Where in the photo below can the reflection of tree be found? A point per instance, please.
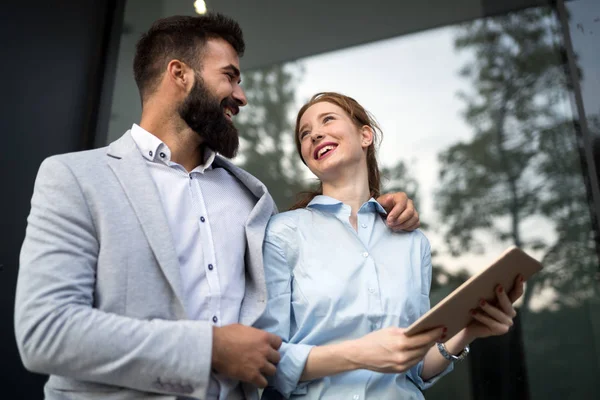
(266, 129)
(524, 160)
(571, 260)
(398, 178)
(493, 182)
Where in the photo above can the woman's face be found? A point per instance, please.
(330, 141)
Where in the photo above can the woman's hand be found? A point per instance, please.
(495, 319)
(389, 350)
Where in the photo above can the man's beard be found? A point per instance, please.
(203, 113)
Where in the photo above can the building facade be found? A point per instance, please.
(491, 119)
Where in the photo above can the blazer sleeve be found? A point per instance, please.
(57, 328)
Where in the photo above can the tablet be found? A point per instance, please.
(453, 311)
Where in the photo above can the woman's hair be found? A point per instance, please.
(360, 117)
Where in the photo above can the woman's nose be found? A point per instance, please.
(317, 136)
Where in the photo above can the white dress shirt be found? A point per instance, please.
(206, 209)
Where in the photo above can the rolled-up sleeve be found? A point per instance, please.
(277, 319)
(414, 374)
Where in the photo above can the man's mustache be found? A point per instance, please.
(232, 104)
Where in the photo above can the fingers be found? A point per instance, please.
(415, 348)
(244, 353)
(274, 341)
(424, 339)
(387, 202)
(273, 356)
(504, 302)
(410, 225)
(394, 204)
(492, 324)
(268, 369)
(259, 381)
(269, 362)
(403, 216)
(496, 313)
(401, 213)
(517, 290)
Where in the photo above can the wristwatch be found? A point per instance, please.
(452, 357)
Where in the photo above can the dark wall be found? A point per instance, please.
(54, 57)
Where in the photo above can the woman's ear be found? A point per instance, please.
(367, 136)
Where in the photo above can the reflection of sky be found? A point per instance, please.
(410, 85)
(585, 37)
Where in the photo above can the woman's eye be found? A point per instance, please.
(327, 118)
(303, 134)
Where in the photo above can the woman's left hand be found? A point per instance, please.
(495, 319)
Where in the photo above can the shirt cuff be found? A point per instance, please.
(424, 385)
(290, 368)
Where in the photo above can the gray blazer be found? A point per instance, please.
(99, 294)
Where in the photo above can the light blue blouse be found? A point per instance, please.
(328, 283)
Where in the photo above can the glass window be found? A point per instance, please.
(480, 131)
(584, 24)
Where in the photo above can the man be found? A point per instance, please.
(141, 270)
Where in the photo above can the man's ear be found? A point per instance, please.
(180, 74)
(367, 136)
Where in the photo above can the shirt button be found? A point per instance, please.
(215, 319)
(150, 153)
(190, 176)
(210, 267)
(355, 397)
(202, 219)
(365, 254)
(363, 225)
(162, 155)
(371, 290)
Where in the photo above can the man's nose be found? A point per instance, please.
(240, 96)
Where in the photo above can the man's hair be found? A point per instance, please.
(182, 38)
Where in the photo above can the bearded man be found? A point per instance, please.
(141, 271)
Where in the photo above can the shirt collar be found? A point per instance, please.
(155, 150)
(325, 202)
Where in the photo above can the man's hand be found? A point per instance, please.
(402, 215)
(244, 353)
(390, 351)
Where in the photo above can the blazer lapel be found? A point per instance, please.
(129, 166)
(255, 296)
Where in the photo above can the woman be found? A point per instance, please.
(342, 285)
